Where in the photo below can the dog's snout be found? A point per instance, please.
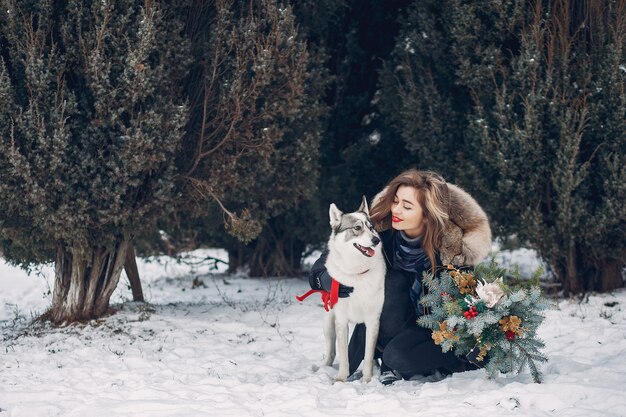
(375, 240)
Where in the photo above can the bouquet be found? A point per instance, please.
(478, 316)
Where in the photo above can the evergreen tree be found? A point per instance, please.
(358, 152)
(250, 152)
(523, 104)
(554, 135)
(436, 65)
(91, 121)
(345, 44)
(419, 97)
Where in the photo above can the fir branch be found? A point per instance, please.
(530, 360)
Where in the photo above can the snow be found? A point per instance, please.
(239, 346)
(526, 261)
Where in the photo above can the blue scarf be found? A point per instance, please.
(408, 255)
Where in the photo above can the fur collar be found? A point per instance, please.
(467, 237)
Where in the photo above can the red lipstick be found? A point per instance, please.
(395, 219)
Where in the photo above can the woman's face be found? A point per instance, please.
(406, 212)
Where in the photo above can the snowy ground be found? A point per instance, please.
(244, 347)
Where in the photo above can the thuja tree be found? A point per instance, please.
(90, 124)
(554, 134)
(286, 179)
(250, 153)
(420, 98)
(358, 153)
(523, 103)
(289, 191)
(436, 65)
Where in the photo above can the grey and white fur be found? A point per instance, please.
(355, 259)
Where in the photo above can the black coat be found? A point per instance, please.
(399, 309)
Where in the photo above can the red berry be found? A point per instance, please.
(509, 335)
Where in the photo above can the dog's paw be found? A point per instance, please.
(367, 374)
(341, 377)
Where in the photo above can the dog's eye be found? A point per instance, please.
(357, 228)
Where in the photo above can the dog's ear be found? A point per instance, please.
(364, 208)
(335, 215)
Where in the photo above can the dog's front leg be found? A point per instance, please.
(371, 335)
(341, 327)
(329, 333)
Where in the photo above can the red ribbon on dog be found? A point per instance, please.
(328, 298)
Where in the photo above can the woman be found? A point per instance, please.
(424, 223)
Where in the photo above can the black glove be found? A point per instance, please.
(321, 280)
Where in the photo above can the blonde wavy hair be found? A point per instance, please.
(432, 195)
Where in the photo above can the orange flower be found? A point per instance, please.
(511, 324)
(483, 352)
(439, 336)
(465, 281)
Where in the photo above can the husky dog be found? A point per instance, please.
(355, 259)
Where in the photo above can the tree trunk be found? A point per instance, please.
(236, 257)
(85, 279)
(130, 266)
(569, 276)
(608, 276)
(282, 257)
(583, 274)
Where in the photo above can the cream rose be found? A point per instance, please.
(490, 293)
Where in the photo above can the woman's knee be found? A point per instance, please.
(393, 357)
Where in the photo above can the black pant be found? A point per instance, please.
(411, 352)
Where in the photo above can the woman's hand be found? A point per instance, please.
(321, 280)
